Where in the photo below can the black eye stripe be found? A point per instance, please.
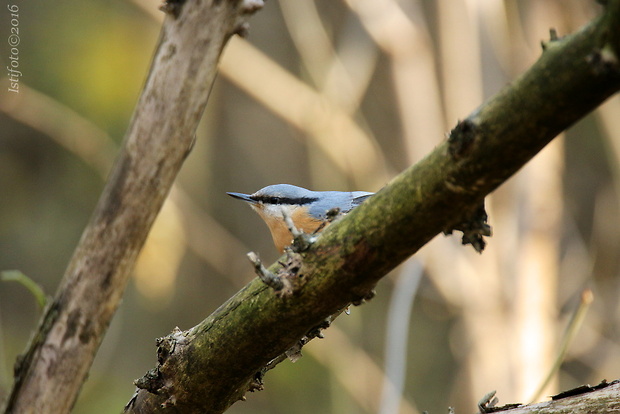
(284, 200)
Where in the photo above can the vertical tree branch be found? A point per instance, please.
(161, 134)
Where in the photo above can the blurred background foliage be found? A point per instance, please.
(330, 95)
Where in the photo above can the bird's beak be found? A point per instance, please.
(244, 197)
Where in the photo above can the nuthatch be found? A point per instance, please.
(307, 209)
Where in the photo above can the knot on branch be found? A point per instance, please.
(553, 38)
(247, 7)
(488, 404)
(461, 139)
(474, 228)
(288, 280)
(172, 7)
(166, 345)
(154, 380)
(604, 62)
(257, 383)
(251, 6)
(363, 298)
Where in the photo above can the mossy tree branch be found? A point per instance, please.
(209, 367)
(161, 134)
(603, 398)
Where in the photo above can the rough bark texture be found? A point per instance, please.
(209, 367)
(49, 376)
(600, 399)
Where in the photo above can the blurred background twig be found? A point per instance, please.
(328, 95)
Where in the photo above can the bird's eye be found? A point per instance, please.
(272, 200)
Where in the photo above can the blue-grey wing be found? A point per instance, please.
(344, 201)
(355, 199)
(359, 199)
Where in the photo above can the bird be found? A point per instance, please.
(307, 209)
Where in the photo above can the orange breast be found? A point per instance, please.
(282, 237)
